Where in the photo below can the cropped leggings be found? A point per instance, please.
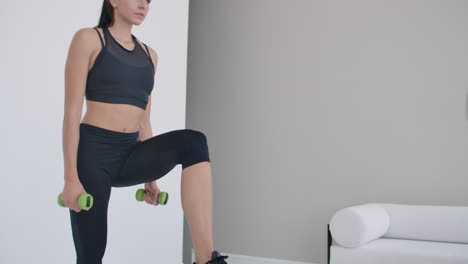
(107, 159)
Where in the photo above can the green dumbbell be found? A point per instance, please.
(162, 196)
(85, 201)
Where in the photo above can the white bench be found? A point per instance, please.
(399, 234)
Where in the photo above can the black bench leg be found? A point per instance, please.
(329, 242)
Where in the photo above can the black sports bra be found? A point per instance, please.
(119, 75)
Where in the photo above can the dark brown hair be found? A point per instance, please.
(107, 15)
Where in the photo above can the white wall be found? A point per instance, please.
(314, 105)
(35, 42)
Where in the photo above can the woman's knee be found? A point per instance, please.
(196, 136)
(197, 148)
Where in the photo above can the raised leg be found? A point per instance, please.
(153, 158)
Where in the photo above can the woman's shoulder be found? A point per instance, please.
(89, 37)
(88, 33)
(88, 30)
(85, 43)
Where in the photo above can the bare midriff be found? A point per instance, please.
(117, 117)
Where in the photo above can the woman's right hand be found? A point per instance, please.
(71, 192)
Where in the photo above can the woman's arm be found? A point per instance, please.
(145, 130)
(145, 127)
(76, 70)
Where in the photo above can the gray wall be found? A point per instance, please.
(312, 106)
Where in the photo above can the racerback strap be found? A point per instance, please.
(102, 42)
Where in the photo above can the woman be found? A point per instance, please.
(113, 145)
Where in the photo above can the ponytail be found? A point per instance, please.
(107, 15)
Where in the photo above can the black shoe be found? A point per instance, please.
(216, 258)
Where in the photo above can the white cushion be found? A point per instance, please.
(424, 222)
(357, 225)
(400, 251)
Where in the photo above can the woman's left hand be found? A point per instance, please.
(152, 192)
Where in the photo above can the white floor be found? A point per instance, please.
(242, 259)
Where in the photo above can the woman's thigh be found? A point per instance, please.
(153, 158)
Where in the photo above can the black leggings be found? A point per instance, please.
(107, 159)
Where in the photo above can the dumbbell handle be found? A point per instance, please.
(163, 197)
(85, 201)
